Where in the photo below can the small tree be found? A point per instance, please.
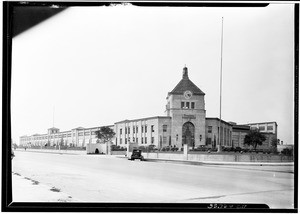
(105, 134)
(254, 138)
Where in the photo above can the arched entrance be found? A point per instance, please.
(188, 134)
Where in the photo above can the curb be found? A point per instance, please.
(223, 163)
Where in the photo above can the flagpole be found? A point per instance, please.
(53, 117)
(221, 85)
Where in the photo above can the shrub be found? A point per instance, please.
(287, 151)
(238, 149)
(142, 148)
(212, 150)
(246, 150)
(201, 148)
(174, 149)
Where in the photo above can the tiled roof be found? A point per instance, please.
(186, 84)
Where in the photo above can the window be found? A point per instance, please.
(164, 140)
(209, 129)
(120, 131)
(146, 129)
(116, 140)
(145, 140)
(137, 140)
(142, 129)
(125, 130)
(128, 139)
(261, 128)
(133, 139)
(120, 140)
(128, 130)
(133, 129)
(125, 140)
(152, 128)
(208, 141)
(152, 140)
(192, 105)
(182, 104)
(269, 127)
(165, 128)
(142, 140)
(187, 105)
(137, 129)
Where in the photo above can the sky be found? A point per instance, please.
(94, 66)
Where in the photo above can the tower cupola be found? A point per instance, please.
(185, 73)
(186, 84)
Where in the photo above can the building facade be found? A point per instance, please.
(265, 127)
(77, 137)
(216, 136)
(144, 132)
(184, 122)
(238, 135)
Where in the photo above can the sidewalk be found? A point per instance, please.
(28, 190)
(224, 162)
(285, 167)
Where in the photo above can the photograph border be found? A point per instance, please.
(7, 203)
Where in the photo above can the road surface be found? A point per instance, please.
(100, 178)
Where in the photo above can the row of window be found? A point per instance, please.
(188, 105)
(136, 129)
(60, 136)
(263, 128)
(135, 140)
(209, 129)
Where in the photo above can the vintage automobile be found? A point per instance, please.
(136, 154)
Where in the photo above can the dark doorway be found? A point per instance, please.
(188, 134)
(96, 151)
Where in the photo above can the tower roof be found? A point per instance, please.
(186, 84)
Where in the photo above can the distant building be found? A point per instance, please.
(287, 146)
(265, 127)
(77, 137)
(238, 135)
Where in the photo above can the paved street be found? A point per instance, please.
(99, 178)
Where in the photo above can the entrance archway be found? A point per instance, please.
(188, 134)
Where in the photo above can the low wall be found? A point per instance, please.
(118, 152)
(56, 151)
(220, 157)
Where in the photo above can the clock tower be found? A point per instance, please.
(186, 107)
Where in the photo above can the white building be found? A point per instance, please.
(184, 122)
